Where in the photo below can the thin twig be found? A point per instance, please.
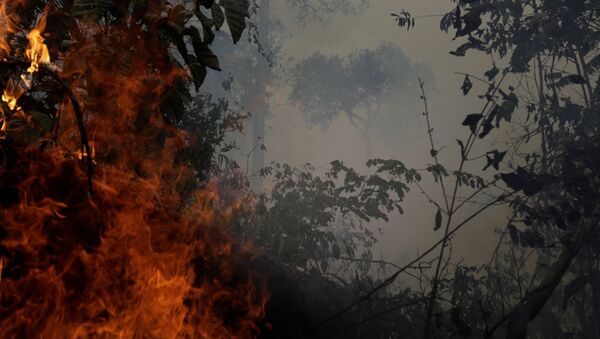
(391, 309)
(82, 131)
(78, 114)
(393, 277)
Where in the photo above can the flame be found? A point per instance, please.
(138, 258)
(3, 127)
(82, 154)
(11, 100)
(37, 51)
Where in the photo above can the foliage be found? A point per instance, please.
(367, 87)
(134, 24)
(309, 221)
(554, 188)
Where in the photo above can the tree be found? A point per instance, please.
(368, 87)
(250, 66)
(554, 45)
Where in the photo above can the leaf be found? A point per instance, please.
(467, 85)
(522, 54)
(462, 147)
(514, 233)
(576, 79)
(44, 122)
(494, 158)
(529, 183)
(218, 16)
(533, 239)
(207, 3)
(207, 24)
(516, 180)
(198, 72)
(87, 7)
(438, 220)
(206, 56)
(491, 74)
(236, 12)
(487, 127)
(472, 120)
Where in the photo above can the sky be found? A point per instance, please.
(288, 139)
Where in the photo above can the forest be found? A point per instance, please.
(300, 169)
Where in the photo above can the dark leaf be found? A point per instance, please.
(44, 122)
(218, 16)
(438, 220)
(472, 120)
(467, 85)
(491, 74)
(236, 12)
(514, 233)
(576, 79)
(494, 158)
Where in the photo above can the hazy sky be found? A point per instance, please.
(289, 140)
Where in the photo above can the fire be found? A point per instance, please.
(82, 154)
(37, 51)
(138, 258)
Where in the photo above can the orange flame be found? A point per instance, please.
(37, 51)
(136, 260)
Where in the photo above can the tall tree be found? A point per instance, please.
(367, 86)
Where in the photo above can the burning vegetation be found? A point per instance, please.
(96, 237)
